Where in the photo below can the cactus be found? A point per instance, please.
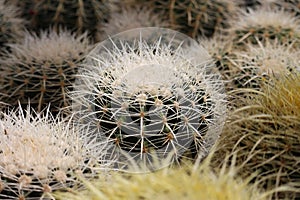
(145, 92)
(78, 15)
(11, 24)
(189, 182)
(40, 154)
(41, 68)
(195, 18)
(262, 63)
(223, 54)
(265, 25)
(129, 17)
(264, 132)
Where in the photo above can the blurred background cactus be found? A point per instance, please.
(11, 24)
(79, 15)
(40, 154)
(40, 69)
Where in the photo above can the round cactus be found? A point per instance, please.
(265, 25)
(79, 15)
(40, 154)
(195, 18)
(41, 68)
(129, 17)
(11, 24)
(259, 63)
(264, 133)
(148, 92)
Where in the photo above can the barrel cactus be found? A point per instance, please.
(40, 154)
(148, 92)
(40, 69)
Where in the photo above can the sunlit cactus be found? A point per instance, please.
(151, 90)
(40, 154)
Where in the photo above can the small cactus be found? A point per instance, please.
(40, 154)
(41, 68)
(11, 24)
(151, 93)
(262, 62)
(78, 15)
(265, 25)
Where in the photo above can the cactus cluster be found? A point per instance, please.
(11, 24)
(151, 96)
(40, 69)
(40, 154)
(76, 15)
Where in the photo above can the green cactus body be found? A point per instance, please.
(40, 70)
(78, 15)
